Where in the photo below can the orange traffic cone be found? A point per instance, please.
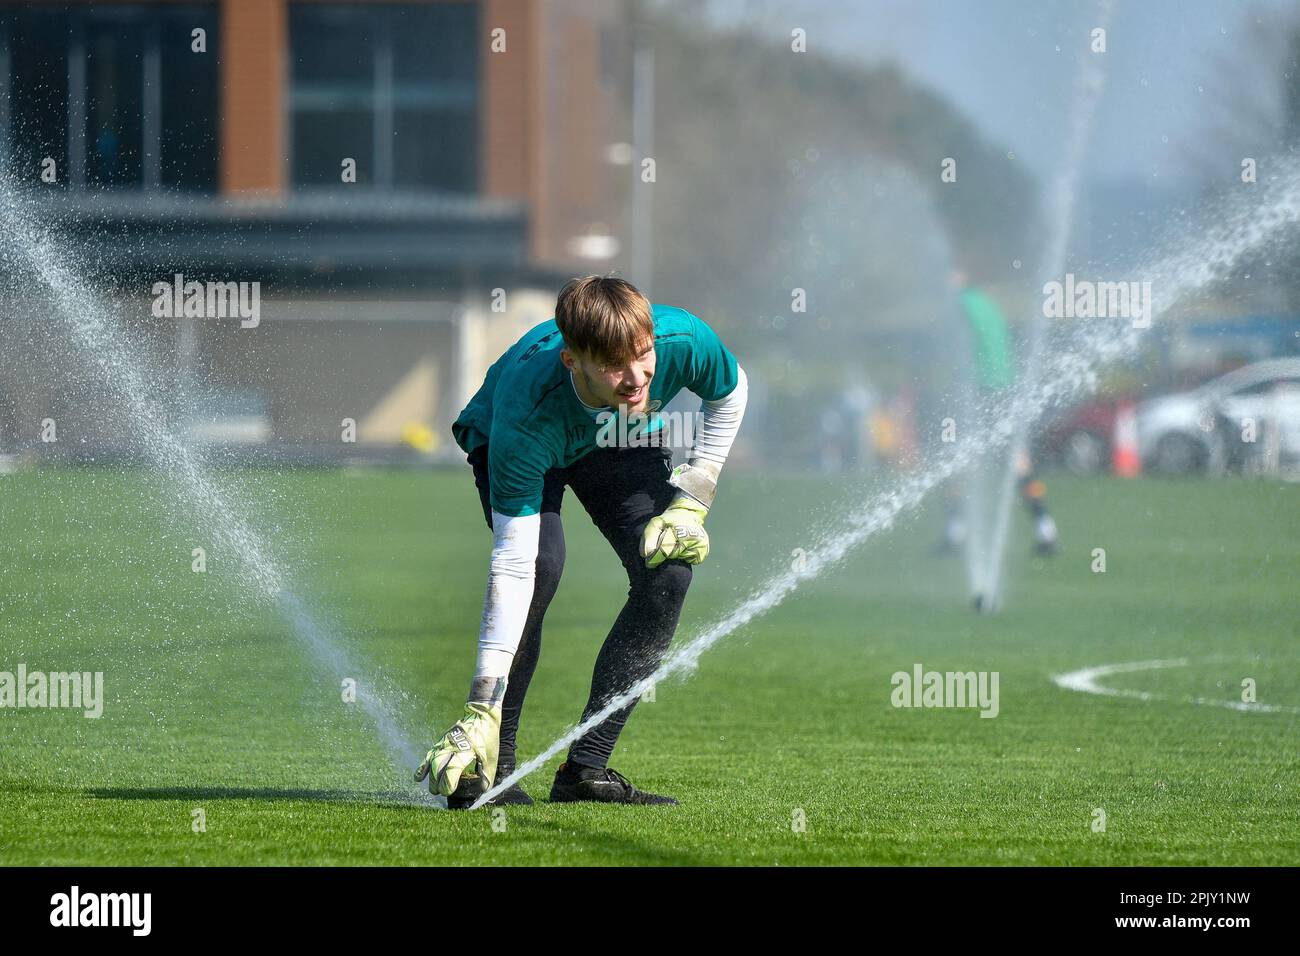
(1124, 449)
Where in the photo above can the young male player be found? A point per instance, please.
(541, 422)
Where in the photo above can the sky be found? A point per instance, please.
(1175, 69)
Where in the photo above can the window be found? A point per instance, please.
(189, 100)
(113, 93)
(112, 51)
(1266, 387)
(34, 51)
(393, 87)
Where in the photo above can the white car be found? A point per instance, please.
(1248, 418)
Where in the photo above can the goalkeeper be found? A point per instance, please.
(547, 417)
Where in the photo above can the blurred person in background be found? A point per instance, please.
(993, 363)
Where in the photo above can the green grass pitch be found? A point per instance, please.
(212, 704)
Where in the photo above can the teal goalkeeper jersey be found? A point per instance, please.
(531, 419)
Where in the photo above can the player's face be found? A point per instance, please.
(616, 384)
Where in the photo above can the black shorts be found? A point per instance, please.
(620, 488)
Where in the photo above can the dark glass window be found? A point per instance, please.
(114, 99)
(112, 92)
(189, 98)
(36, 108)
(392, 86)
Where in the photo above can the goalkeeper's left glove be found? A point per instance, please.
(678, 534)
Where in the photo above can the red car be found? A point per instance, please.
(1078, 438)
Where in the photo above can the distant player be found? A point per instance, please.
(992, 357)
(541, 422)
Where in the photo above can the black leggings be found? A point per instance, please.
(621, 489)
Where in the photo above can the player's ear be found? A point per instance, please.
(567, 358)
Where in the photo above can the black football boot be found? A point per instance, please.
(577, 782)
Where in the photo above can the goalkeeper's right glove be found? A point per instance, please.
(468, 749)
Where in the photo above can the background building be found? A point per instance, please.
(407, 182)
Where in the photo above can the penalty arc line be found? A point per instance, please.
(1086, 680)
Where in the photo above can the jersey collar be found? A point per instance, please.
(591, 410)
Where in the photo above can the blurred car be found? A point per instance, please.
(1201, 430)
(1079, 439)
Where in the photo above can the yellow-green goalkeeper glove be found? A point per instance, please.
(468, 749)
(677, 534)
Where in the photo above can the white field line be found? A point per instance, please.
(1087, 681)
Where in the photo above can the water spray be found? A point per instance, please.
(28, 247)
(1063, 195)
(878, 516)
(1069, 373)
